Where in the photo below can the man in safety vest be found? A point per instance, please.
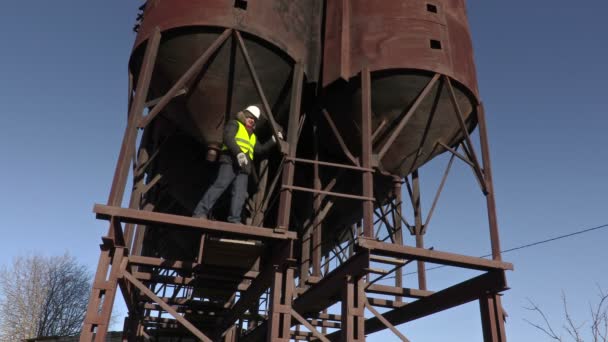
(236, 162)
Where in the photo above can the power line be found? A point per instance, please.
(553, 239)
(583, 231)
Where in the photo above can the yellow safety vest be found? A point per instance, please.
(244, 140)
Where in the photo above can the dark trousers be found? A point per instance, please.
(227, 174)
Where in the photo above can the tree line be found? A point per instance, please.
(43, 296)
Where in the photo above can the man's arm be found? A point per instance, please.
(230, 130)
(262, 149)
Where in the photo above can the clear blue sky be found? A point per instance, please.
(542, 69)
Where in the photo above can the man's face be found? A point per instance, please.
(249, 121)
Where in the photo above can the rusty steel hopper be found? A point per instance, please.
(275, 34)
(188, 132)
(404, 44)
(420, 57)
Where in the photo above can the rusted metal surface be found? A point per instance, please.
(279, 32)
(366, 153)
(459, 294)
(402, 43)
(487, 169)
(443, 258)
(225, 228)
(360, 33)
(393, 87)
(492, 318)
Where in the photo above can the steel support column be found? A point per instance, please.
(96, 322)
(135, 113)
(397, 213)
(281, 297)
(353, 310)
(487, 171)
(292, 140)
(104, 290)
(418, 229)
(492, 318)
(316, 221)
(366, 152)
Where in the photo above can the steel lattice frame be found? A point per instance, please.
(274, 282)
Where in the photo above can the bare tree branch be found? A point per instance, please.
(599, 321)
(570, 327)
(547, 329)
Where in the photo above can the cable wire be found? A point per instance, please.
(583, 231)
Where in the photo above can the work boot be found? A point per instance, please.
(200, 216)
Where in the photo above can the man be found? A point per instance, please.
(236, 163)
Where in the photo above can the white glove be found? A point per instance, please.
(242, 159)
(280, 135)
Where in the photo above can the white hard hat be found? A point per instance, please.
(255, 111)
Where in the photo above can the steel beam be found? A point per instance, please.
(322, 294)
(492, 318)
(490, 200)
(397, 212)
(135, 112)
(208, 226)
(336, 133)
(408, 115)
(397, 291)
(385, 322)
(280, 259)
(292, 137)
(467, 291)
(317, 228)
(326, 292)
(465, 132)
(353, 311)
(281, 296)
(258, 86)
(436, 199)
(442, 258)
(166, 307)
(341, 166)
(366, 152)
(181, 83)
(102, 296)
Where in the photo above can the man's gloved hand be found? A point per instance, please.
(242, 159)
(280, 135)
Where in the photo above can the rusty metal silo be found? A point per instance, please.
(367, 93)
(404, 44)
(412, 50)
(276, 33)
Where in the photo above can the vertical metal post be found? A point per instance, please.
(279, 317)
(135, 201)
(135, 113)
(305, 254)
(231, 335)
(103, 292)
(316, 226)
(487, 171)
(492, 318)
(398, 227)
(292, 139)
(419, 228)
(353, 307)
(366, 152)
(96, 323)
